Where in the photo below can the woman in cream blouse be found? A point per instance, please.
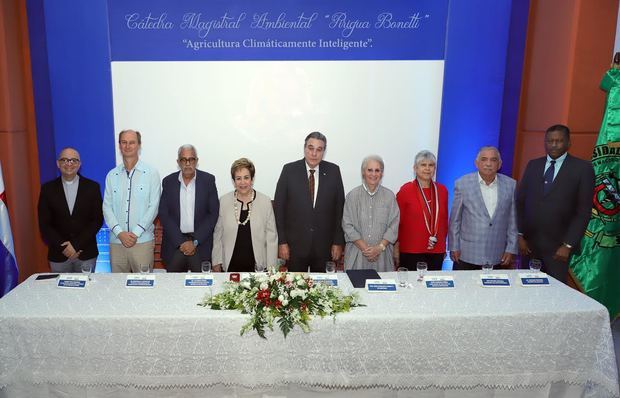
(245, 234)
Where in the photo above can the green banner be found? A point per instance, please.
(596, 268)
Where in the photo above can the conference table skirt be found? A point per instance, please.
(109, 340)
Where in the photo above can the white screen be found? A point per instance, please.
(263, 110)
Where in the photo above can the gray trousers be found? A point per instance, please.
(72, 265)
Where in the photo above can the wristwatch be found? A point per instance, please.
(567, 245)
(382, 246)
(195, 242)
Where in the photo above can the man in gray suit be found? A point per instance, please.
(483, 223)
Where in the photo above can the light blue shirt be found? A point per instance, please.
(558, 163)
(131, 201)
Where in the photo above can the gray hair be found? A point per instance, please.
(189, 147)
(489, 148)
(370, 158)
(317, 136)
(424, 155)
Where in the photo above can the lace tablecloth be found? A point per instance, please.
(415, 339)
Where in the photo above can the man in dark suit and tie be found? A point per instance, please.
(70, 216)
(309, 201)
(554, 200)
(188, 211)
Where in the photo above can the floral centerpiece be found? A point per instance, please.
(287, 299)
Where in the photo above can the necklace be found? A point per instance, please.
(430, 221)
(235, 205)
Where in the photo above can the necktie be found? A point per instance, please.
(549, 177)
(311, 185)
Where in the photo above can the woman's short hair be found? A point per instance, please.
(424, 155)
(243, 163)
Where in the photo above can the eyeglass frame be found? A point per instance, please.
(187, 160)
(69, 161)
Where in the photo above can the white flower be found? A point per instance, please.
(245, 284)
(289, 278)
(281, 297)
(284, 302)
(264, 286)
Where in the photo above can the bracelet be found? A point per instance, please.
(382, 246)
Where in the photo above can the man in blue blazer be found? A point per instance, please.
(70, 216)
(309, 201)
(483, 225)
(188, 211)
(554, 202)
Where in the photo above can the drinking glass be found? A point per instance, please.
(258, 267)
(403, 276)
(486, 268)
(87, 269)
(535, 265)
(145, 268)
(422, 267)
(330, 267)
(205, 267)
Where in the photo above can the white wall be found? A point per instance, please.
(264, 109)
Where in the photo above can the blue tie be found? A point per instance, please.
(549, 177)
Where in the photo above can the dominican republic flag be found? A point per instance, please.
(8, 265)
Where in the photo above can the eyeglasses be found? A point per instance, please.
(187, 160)
(69, 160)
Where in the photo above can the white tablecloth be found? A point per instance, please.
(466, 339)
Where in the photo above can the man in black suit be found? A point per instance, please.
(554, 200)
(188, 211)
(309, 201)
(70, 216)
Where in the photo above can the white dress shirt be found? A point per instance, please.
(558, 163)
(187, 201)
(489, 194)
(316, 180)
(71, 188)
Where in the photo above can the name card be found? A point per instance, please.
(534, 279)
(380, 285)
(495, 280)
(198, 280)
(140, 281)
(439, 281)
(72, 281)
(327, 279)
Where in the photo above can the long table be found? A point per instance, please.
(109, 340)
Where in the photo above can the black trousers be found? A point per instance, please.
(433, 260)
(302, 263)
(182, 263)
(465, 266)
(555, 268)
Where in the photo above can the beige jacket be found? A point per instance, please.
(262, 225)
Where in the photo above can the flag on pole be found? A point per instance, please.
(596, 268)
(8, 265)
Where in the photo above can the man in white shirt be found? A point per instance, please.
(188, 211)
(130, 203)
(483, 228)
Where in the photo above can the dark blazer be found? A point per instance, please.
(206, 211)
(560, 216)
(80, 228)
(298, 223)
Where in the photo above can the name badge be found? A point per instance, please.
(534, 279)
(495, 280)
(439, 281)
(140, 281)
(380, 285)
(72, 281)
(327, 279)
(198, 280)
